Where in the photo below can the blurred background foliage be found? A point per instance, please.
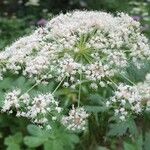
(20, 17)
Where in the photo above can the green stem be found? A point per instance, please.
(127, 79)
(33, 86)
(113, 82)
(79, 96)
(58, 85)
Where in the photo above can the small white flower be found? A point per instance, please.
(48, 127)
(94, 86)
(102, 84)
(76, 120)
(33, 2)
(128, 100)
(122, 118)
(107, 103)
(11, 100)
(54, 118)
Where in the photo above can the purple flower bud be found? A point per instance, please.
(42, 22)
(136, 18)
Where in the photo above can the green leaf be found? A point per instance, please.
(17, 138)
(22, 83)
(6, 83)
(136, 143)
(56, 138)
(36, 131)
(135, 74)
(147, 141)
(13, 142)
(39, 136)
(132, 127)
(128, 146)
(95, 109)
(53, 145)
(34, 141)
(46, 88)
(74, 138)
(13, 147)
(120, 128)
(96, 99)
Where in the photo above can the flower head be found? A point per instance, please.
(77, 119)
(97, 44)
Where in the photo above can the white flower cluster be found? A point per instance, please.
(37, 109)
(144, 89)
(68, 68)
(126, 101)
(41, 108)
(96, 44)
(130, 100)
(77, 119)
(75, 48)
(11, 101)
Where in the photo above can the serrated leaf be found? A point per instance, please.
(13, 142)
(120, 128)
(57, 137)
(33, 141)
(22, 83)
(46, 88)
(135, 74)
(36, 131)
(17, 138)
(96, 99)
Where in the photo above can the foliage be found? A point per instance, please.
(11, 29)
(50, 139)
(13, 142)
